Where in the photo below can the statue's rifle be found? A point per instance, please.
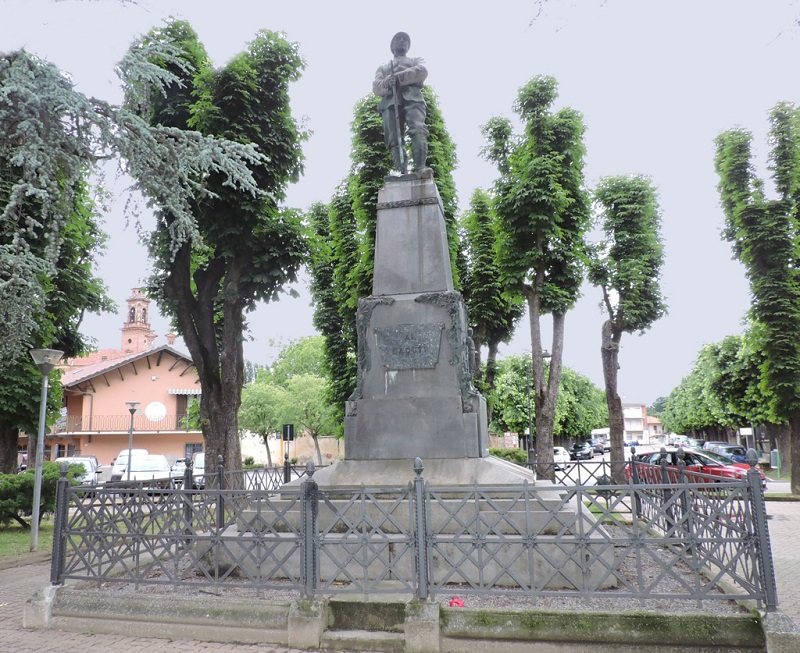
(398, 107)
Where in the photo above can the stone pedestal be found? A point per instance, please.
(415, 395)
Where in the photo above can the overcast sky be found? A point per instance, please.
(656, 82)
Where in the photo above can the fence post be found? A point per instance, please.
(59, 525)
(759, 510)
(310, 510)
(187, 498)
(287, 468)
(421, 530)
(220, 499)
(686, 512)
(637, 499)
(669, 512)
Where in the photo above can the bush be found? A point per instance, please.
(517, 456)
(16, 493)
(249, 461)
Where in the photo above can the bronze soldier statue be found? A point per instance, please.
(402, 107)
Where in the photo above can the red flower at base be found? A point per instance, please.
(456, 602)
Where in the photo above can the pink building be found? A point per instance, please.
(95, 419)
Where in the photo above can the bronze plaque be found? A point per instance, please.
(409, 346)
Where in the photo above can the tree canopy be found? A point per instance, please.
(234, 245)
(765, 236)
(581, 405)
(626, 266)
(542, 216)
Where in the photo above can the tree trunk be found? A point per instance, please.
(315, 437)
(545, 392)
(9, 441)
(609, 353)
(489, 376)
(219, 363)
(265, 438)
(793, 461)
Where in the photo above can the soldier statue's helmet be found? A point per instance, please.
(397, 36)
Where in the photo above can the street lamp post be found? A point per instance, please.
(45, 360)
(132, 406)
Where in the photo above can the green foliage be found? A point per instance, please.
(540, 200)
(492, 314)
(626, 265)
(517, 456)
(724, 389)
(292, 391)
(16, 492)
(581, 405)
(656, 409)
(301, 356)
(764, 237)
(234, 245)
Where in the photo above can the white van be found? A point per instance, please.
(120, 467)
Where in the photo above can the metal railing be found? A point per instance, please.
(101, 423)
(635, 540)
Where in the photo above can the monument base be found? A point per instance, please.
(438, 472)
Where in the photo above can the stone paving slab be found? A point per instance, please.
(18, 584)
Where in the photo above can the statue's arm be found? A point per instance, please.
(415, 74)
(379, 86)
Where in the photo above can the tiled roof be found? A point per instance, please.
(85, 372)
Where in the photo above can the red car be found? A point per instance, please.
(699, 462)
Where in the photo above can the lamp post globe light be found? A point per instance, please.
(132, 407)
(45, 360)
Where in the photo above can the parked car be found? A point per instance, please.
(151, 467)
(706, 463)
(581, 451)
(601, 446)
(199, 470)
(735, 452)
(177, 470)
(90, 471)
(561, 458)
(120, 466)
(709, 446)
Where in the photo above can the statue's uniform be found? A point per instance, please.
(412, 73)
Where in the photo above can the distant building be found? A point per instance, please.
(635, 416)
(95, 419)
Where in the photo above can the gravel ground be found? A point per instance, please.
(664, 577)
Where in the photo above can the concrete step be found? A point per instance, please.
(362, 640)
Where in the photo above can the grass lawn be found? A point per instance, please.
(16, 541)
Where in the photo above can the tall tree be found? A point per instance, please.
(238, 246)
(626, 266)
(492, 314)
(765, 235)
(543, 214)
(49, 235)
(291, 391)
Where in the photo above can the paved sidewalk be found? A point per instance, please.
(784, 532)
(18, 584)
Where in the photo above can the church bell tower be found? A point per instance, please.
(137, 335)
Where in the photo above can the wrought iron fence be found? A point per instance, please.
(637, 540)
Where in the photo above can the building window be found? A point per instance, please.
(132, 315)
(192, 448)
